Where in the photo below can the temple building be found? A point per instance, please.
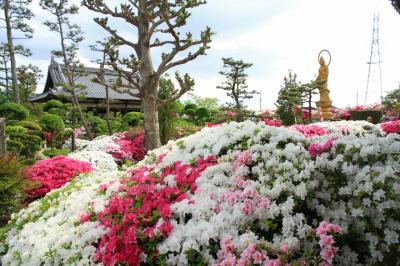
(92, 95)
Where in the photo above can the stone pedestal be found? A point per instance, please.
(325, 106)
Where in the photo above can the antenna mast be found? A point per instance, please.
(375, 56)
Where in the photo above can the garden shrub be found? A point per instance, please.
(13, 111)
(11, 186)
(98, 125)
(55, 152)
(15, 130)
(52, 104)
(364, 114)
(53, 173)
(51, 123)
(29, 125)
(11, 122)
(133, 119)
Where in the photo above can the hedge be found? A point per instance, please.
(364, 114)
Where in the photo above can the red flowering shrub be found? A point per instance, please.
(316, 149)
(272, 123)
(138, 218)
(54, 173)
(311, 130)
(130, 148)
(391, 127)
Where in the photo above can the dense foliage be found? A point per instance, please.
(376, 115)
(13, 111)
(12, 185)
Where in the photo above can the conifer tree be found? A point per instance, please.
(70, 36)
(16, 13)
(235, 83)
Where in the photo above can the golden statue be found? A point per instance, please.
(324, 102)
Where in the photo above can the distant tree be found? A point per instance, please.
(16, 14)
(206, 102)
(307, 92)
(159, 26)
(5, 69)
(167, 112)
(28, 76)
(102, 47)
(235, 83)
(289, 96)
(392, 99)
(70, 37)
(396, 5)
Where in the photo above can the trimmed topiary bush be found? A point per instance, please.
(15, 130)
(364, 114)
(13, 111)
(98, 125)
(52, 104)
(51, 123)
(11, 122)
(133, 119)
(29, 125)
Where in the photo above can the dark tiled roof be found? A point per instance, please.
(396, 4)
(91, 90)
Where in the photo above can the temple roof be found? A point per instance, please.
(91, 90)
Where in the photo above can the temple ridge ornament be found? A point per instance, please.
(321, 82)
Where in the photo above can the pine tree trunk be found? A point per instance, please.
(12, 52)
(108, 112)
(150, 113)
(71, 82)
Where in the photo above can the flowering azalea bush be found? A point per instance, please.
(391, 127)
(53, 173)
(122, 146)
(237, 194)
(127, 148)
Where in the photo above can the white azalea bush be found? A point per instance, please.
(235, 194)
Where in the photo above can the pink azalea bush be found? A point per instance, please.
(54, 173)
(316, 149)
(140, 218)
(272, 123)
(127, 147)
(310, 130)
(391, 127)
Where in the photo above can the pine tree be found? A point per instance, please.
(235, 84)
(158, 24)
(16, 14)
(28, 76)
(70, 37)
(289, 96)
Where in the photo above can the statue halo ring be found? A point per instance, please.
(330, 57)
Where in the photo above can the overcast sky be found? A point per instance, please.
(276, 36)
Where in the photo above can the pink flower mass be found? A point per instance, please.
(140, 213)
(128, 148)
(391, 127)
(54, 173)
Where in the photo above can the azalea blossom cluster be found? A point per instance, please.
(391, 127)
(237, 194)
(127, 148)
(53, 173)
